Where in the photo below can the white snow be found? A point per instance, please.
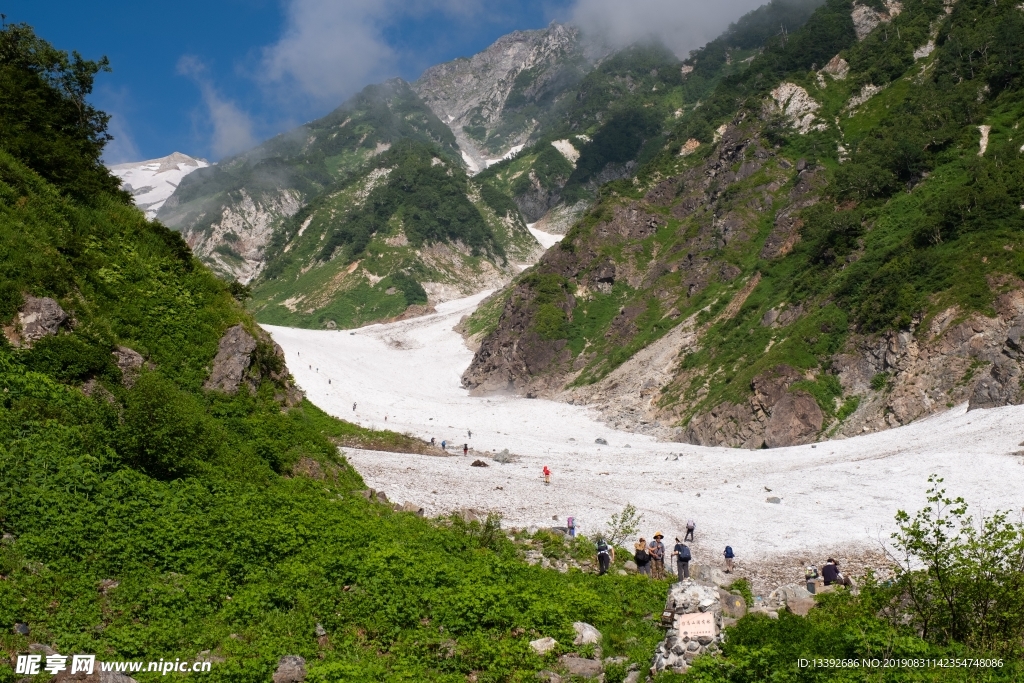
(151, 182)
(546, 239)
(516, 149)
(835, 495)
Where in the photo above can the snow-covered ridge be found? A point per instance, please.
(151, 182)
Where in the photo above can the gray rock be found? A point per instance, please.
(732, 605)
(130, 363)
(630, 565)
(710, 576)
(585, 634)
(1000, 388)
(773, 499)
(548, 676)
(234, 356)
(578, 666)
(290, 669)
(21, 628)
(39, 317)
(601, 441)
(320, 631)
(479, 463)
(413, 508)
(632, 677)
(543, 645)
(796, 419)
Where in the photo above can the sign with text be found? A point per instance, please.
(696, 625)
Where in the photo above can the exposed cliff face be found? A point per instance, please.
(490, 100)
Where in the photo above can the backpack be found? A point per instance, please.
(690, 526)
(602, 548)
(728, 552)
(571, 522)
(684, 554)
(641, 557)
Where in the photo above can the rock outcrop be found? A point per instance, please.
(688, 638)
(130, 362)
(38, 317)
(290, 669)
(239, 361)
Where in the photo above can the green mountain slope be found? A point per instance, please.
(374, 247)
(618, 114)
(830, 244)
(231, 210)
(146, 515)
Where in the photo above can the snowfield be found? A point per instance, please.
(835, 496)
(152, 182)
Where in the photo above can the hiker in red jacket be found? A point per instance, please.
(547, 475)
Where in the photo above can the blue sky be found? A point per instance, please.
(213, 78)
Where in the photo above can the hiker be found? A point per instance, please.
(642, 557)
(444, 445)
(605, 556)
(353, 407)
(385, 417)
(432, 441)
(728, 554)
(329, 381)
(830, 572)
(465, 449)
(547, 476)
(570, 523)
(657, 552)
(690, 526)
(469, 433)
(682, 554)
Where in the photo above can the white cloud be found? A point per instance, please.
(682, 25)
(232, 128)
(331, 49)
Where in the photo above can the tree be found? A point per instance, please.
(623, 525)
(45, 118)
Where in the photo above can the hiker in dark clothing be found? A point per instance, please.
(353, 407)
(465, 449)
(830, 572)
(729, 555)
(605, 556)
(690, 526)
(642, 557)
(683, 557)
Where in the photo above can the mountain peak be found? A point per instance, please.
(151, 182)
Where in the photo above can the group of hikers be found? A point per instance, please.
(649, 557)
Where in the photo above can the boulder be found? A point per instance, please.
(130, 363)
(39, 317)
(578, 666)
(784, 595)
(413, 508)
(585, 634)
(773, 499)
(632, 677)
(600, 441)
(543, 645)
(290, 669)
(710, 576)
(630, 565)
(479, 463)
(732, 605)
(234, 356)
(548, 676)
(795, 419)
(800, 606)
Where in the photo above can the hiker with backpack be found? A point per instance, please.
(570, 524)
(547, 475)
(690, 526)
(682, 554)
(729, 555)
(656, 550)
(605, 556)
(830, 572)
(642, 557)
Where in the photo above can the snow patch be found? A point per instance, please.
(516, 149)
(546, 239)
(924, 50)
(567, 150)
(983, 143)
(866, 93)
(838, 494)
(152, 182)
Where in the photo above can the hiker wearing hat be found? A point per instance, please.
(683, 557)
(642, 557)
(657, 551)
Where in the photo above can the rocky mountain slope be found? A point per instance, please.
(829, 245)
(150, 183)
(409, 232)
(229, 212)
